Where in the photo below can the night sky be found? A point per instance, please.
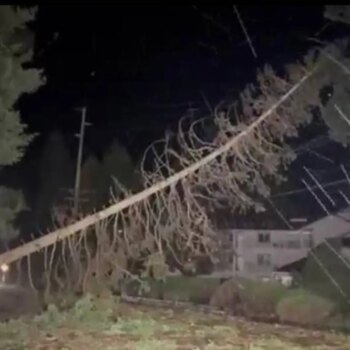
(138, 67)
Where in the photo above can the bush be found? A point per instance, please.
(251, 298)
(303, 307)
(228, 296)
(194, 289)
(202, 289)
(339, 322)
(16, 301)
(178, 288)
(89, 311)
(145, 287)
(260, 299)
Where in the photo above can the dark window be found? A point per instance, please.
(264, 259)
(346, 242)
(263, 237)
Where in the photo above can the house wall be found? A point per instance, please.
(260, 252)
(278, 251)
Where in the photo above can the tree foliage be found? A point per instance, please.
(56, 177)
(91, 184)
(11, 203)
(120, 168)
(337, 13)
(332, 83)
(16, 50)
(116, 173)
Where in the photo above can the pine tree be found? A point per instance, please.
(98, 179)
(56, 175)
(16, 49)
(119, 168)
(91, 184)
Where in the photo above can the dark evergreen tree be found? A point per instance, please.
(16, 49)
(56, 178)
(119, 168)
(91, 184)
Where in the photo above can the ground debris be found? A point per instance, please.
(143, 327)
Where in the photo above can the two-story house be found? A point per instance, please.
(258, 253)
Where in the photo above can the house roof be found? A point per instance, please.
(294, 266)
(299, 264)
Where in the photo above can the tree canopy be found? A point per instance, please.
(16, 51)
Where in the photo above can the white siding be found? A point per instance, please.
(261, 258)
(279, 248)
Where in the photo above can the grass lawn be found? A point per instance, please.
(128, 327)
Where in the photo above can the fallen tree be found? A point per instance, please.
(192, 175)
(83, 224)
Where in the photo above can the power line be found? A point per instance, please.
(302, 189)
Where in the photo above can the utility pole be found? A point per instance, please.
(79, 160)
